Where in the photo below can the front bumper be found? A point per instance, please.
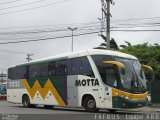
(134, 103)
(126, 102)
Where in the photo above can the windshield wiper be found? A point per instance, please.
(138, 87)
(140, 84)
(132, 83)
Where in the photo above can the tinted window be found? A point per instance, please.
(98, 59)
(33, 71)
(52, 68)
(111, 78)
(38, 70)
(57, 68)
(107, 71)
(61, 67)
(43, 69)
(80, 66)
(17, 73)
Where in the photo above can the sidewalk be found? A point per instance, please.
(150, 108)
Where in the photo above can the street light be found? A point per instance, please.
(72, 29)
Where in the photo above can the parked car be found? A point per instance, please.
(3, 91)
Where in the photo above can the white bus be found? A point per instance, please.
(93, 79)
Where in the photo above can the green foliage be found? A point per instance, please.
(113, 44)
(147, 54)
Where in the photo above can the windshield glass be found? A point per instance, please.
(2, 89)
(134, 78)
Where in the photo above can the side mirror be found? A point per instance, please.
(118, 64)
(149, 69)
(146, 67)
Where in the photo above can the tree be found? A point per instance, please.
(113, 44)
(128, 45)
(147, 54)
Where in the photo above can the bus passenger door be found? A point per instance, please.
(71, 90)
(105, 98)
(110, 80)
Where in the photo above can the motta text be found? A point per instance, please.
(87, 82)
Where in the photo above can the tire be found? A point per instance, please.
(90, 104)
(26, 101)
(48, 106)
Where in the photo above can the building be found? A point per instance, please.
(3, 77)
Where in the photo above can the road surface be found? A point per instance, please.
(10, 111)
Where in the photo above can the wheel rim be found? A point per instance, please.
(91, 104)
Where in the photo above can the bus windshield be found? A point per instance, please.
(134, 79)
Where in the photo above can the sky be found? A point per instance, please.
(21, 15)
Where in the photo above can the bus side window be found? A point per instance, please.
(33, 71)
(27, 72)
(17, 73)
(21, 72)
(43, 70)
(52, 68)
(10, 73)
(80, 66)
(86, 67)
(61, 67)
(111, 78)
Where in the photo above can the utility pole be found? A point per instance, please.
(72, 29)
(107, 14)
(108, 23)
(29, 57)
(2, 76)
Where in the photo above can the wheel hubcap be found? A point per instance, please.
(91, 104)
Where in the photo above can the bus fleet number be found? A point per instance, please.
(14, 84)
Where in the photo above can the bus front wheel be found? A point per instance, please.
(90, 104)
(26, 101)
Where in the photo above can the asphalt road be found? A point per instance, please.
(10, 111)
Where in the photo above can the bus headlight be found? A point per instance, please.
(126, 97)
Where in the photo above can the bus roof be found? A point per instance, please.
(79, 54)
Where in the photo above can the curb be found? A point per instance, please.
(155, 106)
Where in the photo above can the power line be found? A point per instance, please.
(10, 2)
(136, 19)
(137, 30)
(22, 5)
(80, 28)
(34, 7)
(44, 39)
(60, 29)
(12, 51)
(32, 32)
(114, 23)
(63, 25)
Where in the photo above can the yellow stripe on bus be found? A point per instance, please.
(55, 92)
(43, 91)
(30, 90)
(115, 92)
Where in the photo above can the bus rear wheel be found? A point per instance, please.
(26, 101)
(90, 104)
